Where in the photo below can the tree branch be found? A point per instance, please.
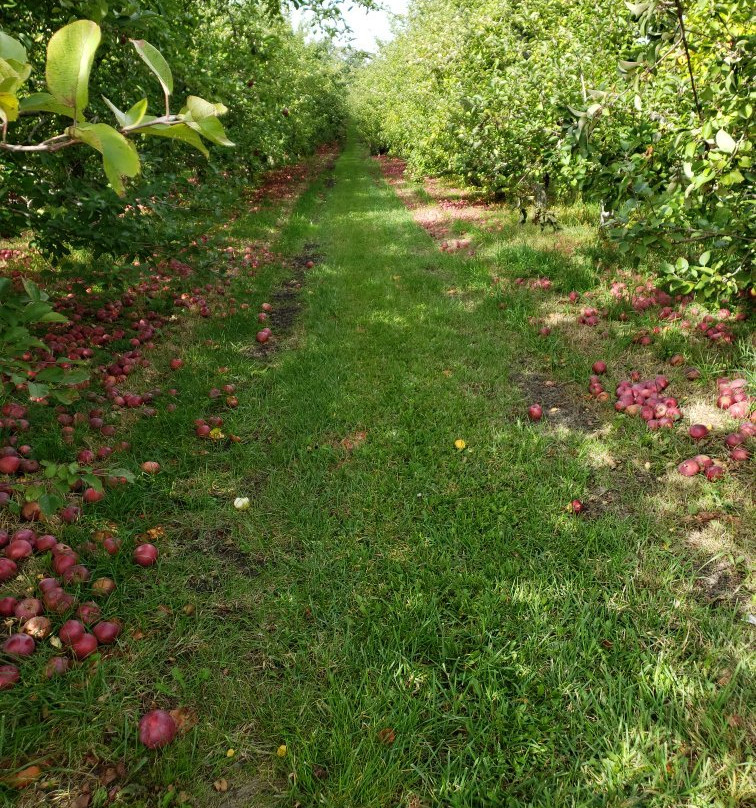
(64, 141)
(679, 10)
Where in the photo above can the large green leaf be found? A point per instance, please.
(177, 132)
(212, 129)
(131, 118)
(725, 142)
(198, 108)
(13, 74)
(202, 115)
(152, 57)
(119, 157)
(8, 107)
(11, 48)
(70, 54)
(44, 102)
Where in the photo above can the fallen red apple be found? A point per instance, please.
(145, 555)
(38, 627)
(9, 676)
(46, 584)
(19, 645)
(8, 569)
(71, 631)
(8, 606)
(150, 467)
(76, 574)
(92, 495)
(599, 367)
(698, 431)
(156, 729)
(535, 412)
(107, 631)
(18, 550)
(70, 514)
(57, 666)
(28, 608)
(103, 587)
(176, 364)
(45, 543)
(9, 464)
(84, 646)
(111, 545)
(714, 472)
(689, 468)
(31, 511)
(89, 613)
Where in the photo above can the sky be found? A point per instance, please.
(367, 27)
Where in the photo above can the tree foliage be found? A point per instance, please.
(647, 107)
(283, 95)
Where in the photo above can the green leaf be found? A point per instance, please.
(152, 57)
(32, 290)
(51, 503)
(37, 390)
(704, 259)
(33, 492)
(51, 469)
(13, 74)
(131, 118)
(201, 116)
(70, 54)
(53, 317)
(724, 142)
(733, 177)
(198, 108)
(177, 132)
(11, 48)
(119, 156)
(212, 129)
(125, 473)
(8, 107)
(44, 102)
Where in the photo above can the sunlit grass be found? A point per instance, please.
(519, 655)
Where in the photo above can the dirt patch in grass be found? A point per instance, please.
(562, 404)
(438, 208)
(219, 542)
(286, 303)
(260, 792)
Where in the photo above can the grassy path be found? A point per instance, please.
(417, 624)
(440, 630)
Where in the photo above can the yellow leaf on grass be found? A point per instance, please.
(282, 750)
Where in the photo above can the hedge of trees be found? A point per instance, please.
(645, 107)
(281, 95)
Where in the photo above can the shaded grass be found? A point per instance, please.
(520, 655)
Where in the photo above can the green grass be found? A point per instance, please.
(522, 656)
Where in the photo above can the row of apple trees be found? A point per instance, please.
(645, 107)
(104, 104)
